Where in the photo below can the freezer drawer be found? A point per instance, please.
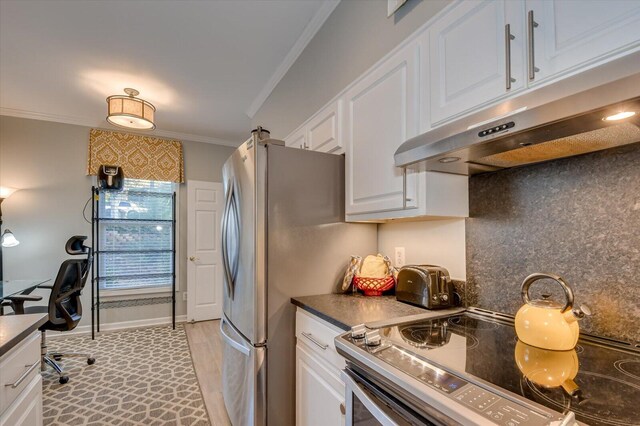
(243, 378)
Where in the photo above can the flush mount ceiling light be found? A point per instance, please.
(620, 116)
(131, 112)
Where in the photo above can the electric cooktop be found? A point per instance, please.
(608, 376)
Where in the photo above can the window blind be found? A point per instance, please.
(136, 236)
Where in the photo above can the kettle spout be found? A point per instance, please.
(573, 315)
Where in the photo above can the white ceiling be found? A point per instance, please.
(205, 65)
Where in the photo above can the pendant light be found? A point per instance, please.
(131, 112)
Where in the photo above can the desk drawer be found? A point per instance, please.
(18, 367)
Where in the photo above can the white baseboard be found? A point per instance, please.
(114, 326)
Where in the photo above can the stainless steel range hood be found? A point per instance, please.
(572, 125)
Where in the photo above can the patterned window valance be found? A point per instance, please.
(141, 157)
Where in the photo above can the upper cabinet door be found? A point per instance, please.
(297, 139)
(569, 34)
(323, 130)
(475, 56)
(380, 113)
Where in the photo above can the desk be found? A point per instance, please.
(12, 287)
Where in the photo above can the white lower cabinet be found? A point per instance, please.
(319, 387)
(319, 391)
(21, 384)
(26, 410)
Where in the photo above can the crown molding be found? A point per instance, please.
(307, 35)
(88, 122)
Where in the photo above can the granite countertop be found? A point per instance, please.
(15, 328)
(346, 310)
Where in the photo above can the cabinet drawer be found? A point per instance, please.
(318, 337)
(18, 367)
(26, 410)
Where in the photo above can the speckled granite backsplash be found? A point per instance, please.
(577, 217)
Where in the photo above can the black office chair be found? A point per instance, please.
(65, 307)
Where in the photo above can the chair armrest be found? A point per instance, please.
(23, 298)
(17, 302)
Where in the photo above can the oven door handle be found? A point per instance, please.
(353, 388)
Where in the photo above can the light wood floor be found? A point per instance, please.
(206, 351)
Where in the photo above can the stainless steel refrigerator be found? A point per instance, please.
(283, 235)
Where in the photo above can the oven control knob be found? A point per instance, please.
(444, 297)
(372, 338)
(358, 331)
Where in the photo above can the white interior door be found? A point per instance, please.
(204, 266)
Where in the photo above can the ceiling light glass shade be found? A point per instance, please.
(131, 112)
(8, 239)
(5, 191)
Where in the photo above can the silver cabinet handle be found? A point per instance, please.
(24, 375)
(507, 49)
(404, 188)
(531, 24)
(313, 340)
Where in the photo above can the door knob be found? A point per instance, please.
(192, 258)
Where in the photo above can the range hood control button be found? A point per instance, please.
(358, 331)
(372, 338)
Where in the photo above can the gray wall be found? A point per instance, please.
(48, 162)
(577, 217)
(355, 36)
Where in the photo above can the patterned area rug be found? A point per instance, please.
(141, 377)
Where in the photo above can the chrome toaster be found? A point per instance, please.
(428, 286)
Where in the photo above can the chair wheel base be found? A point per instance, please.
(63, 379)
(91, 361)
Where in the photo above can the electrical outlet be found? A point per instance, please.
(184, 296)
(398, 259)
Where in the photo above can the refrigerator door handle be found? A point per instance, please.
(230, 341)
(235, 203)
(225, 231)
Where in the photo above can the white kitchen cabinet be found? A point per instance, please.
(321, 132)
(21, 384)
(575, 35)
(319, 392)
(297, 139)
(476, 55)
(319, 387)
(380, 113)
(26, 410)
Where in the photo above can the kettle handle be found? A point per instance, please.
(568, 291)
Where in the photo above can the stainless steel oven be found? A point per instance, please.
(369, 405)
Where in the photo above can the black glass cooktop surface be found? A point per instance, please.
(607, 379)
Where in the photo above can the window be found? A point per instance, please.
(136, 236)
